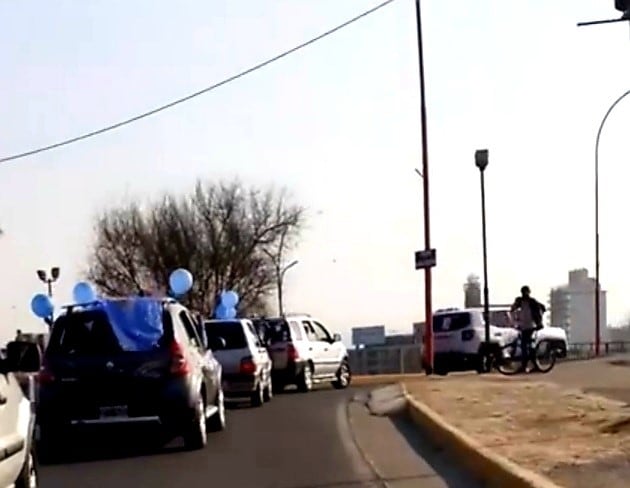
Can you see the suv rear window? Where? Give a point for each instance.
(231, 332)
(448, 322)
(111, 327)
(277, 330)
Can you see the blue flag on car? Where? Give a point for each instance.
(137, 323)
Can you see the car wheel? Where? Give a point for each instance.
(28, 477)
(344, 376)
(268, 393)
(217, 422)
(440, 367)
(257, 396)
(195, 436)
(305, 381)
(277, 387)
(48, 446)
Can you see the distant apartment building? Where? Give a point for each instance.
(573, 308)
(472, 292)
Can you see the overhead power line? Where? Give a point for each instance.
(198, 93)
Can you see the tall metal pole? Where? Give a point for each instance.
(597, 281)
(428, 336)
(486, 299)
(280, 306)
(280, 276)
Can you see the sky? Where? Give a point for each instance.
(338, 125)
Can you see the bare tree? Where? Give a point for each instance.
(224, 233)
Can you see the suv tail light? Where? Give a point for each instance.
(45, 376)
(292, 353)
(247, 366)
(468, 334)
(179, 365)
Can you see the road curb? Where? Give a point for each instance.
(488, 466)
(383, 379)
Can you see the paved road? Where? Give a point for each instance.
(606, 376)
(296, 441)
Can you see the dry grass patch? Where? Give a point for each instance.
(577, 439)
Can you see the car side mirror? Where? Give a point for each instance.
(337, 337)
(22, 356)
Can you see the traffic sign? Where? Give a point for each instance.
(425, 259)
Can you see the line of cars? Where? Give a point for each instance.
(149, 361)
(266, 355)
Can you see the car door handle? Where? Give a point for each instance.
(3, 399)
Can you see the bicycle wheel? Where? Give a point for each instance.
(510, 360)
(544, 356)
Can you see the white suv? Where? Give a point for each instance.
(18, 462)
(458, 335)
(304, 352)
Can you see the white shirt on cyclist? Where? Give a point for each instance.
(525, 320)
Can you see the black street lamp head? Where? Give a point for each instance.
(41, 274)
(481, 159)
(54, 272)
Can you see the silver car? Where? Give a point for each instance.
(304, 352)
(18, 462)
(244, 358)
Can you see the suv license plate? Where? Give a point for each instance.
(118, 411)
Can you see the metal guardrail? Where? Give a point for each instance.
(407, 358)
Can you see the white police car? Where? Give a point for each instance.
(458, 335)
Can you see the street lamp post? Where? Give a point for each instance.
(597, 279)
(481, 161)
(428, 295)
(48, 280)
(280, 272)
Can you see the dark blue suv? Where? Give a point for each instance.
(124, 362)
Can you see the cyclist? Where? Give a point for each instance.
(529, 319)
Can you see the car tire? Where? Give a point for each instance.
(257, 398)
(305, 380)
(277, 387)
(343, 376)
(268, 391)
(48, 446)
(218, 422)
(29, 475)
(195, 436)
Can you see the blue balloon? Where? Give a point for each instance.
(221, 312)
(83, 292)
(42, 306)
(180, 281)
(231, 313)
(229, 298)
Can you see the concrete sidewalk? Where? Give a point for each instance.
(401, 455)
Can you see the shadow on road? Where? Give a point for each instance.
(434, 455)
(99, 446)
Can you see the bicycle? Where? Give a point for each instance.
(509, 359)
